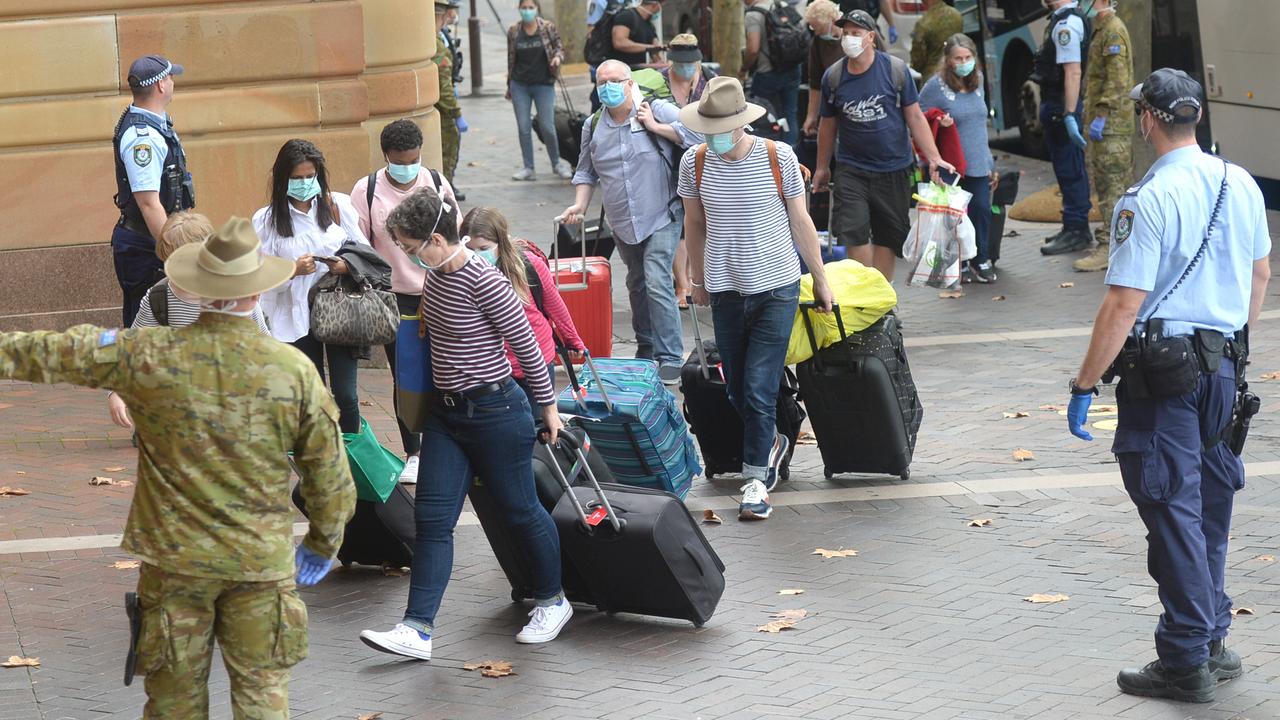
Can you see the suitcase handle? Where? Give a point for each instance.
(568, 441)
(599, 384)
(804, 309)
(581, 227)
(697, 339)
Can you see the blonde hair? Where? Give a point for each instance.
(684, 40)
(821, 12)
(182, 228)
(491, 225)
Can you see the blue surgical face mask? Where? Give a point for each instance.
(721, 143)
(964, 68)
(489, 255)
(612, 94)
(528, 14)
(684, 70)
(404, 174)
(303, 189)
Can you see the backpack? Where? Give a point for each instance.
(673, 168)
(785, 35)
(600, 42)
(652, 83)
(897, 68)
(158, 298)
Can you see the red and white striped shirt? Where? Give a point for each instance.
(470, 313)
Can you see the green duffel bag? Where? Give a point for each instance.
(375, 469)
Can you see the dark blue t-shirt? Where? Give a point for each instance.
(873, 130)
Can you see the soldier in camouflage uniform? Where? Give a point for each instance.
(217, 406)
(940, 22)
(1108, 79)
(447, 105)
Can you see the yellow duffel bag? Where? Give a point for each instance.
(862, 293)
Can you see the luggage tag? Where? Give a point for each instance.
(597, 516)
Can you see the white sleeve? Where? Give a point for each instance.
(350, 221)
(143, 157)
(1068, 37)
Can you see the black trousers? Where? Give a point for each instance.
(137, 268)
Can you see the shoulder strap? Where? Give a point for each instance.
(435, 178)
(699, 159)
(1204, 245)
(158, 298)
(772, 149)
(535, 286)
(833, 75)
(898, 68)
(368, 196)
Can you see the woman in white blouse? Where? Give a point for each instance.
(307, 224)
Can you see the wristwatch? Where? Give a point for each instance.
(1077, 390)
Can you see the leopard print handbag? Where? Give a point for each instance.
(349, 316)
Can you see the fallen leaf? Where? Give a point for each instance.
(998, 298)
(951, 294)
(980, 522)
(1271, 376)
(473, 164)
(369, 716)
(491, 668)
(828, 554)
(1021, 455)
(366, 403)
(101, 480)
(118, 468)
(393, 571)
(1266, 558)
(1055, 408)
(1043, 598)
(1234, 612)
(1066, 285)
(6, 490)
(15, 661)
(797, 614)
(1018, 414)
(791, 591)
(783, 620)
(126, 564)
(20, 472)
(709, 517)
(1012, 233)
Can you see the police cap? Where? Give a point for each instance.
(151, 69)
(1171, 95)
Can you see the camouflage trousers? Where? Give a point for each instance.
(450, 139)
(260, 626)
(1110, 174)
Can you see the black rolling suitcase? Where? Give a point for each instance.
(568, 123)
(378, 533)
(506, 548)
(714, 421)
(638, 550)
(861, 400)
(1004, 196)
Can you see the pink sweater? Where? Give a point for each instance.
(406, 277)
(541, 328)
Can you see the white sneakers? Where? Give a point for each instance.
(525, 174)
(546, 623)
(400, 640)
(564, 170)
(409, 476)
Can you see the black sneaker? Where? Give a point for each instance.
(777, 459)
(980, 273)
(1155, 680)
(1224, 663)
(1069, 241)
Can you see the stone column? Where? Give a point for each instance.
(727, 35)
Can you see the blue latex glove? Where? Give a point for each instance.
(1078, 415)
(893, 35)
(1073, 131)
(311, 567)
(461, 123)
(1096, 127)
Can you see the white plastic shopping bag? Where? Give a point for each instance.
(941, 237)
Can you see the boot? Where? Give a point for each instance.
(1094, 261)
(1155, 680)
(1224, 663)
(1070, 240)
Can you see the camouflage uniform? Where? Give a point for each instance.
(448, 107)
(217, 407)
(1109, 77)
(931, 32)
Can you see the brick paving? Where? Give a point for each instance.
(927, 621)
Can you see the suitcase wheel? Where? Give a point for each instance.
(905, 474)
(710, 475)
(826, 473)
(516, 596)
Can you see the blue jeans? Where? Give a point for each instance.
(491, 437)
(528, 391)
(781, 89)
(342, 377)
(524, 97)
(655, 317)
(980, 213)
(752, 333)
(1068, 167)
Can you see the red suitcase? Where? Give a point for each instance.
(586, 284)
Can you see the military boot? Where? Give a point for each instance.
(1094, 261)
(1155, 680)
(1224, 663)
(1070, 240)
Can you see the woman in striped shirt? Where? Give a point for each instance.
(480, 425)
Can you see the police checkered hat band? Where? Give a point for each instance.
(151, 69)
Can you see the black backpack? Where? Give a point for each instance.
(158, 297)
(785, 35)
(600, 42)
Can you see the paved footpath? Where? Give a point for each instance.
(927, 621)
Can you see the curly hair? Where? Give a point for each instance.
(420, 215)
(399, 135)
(821, 12)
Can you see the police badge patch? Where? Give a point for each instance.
(142, 155)
(1124, 226)
(1064, 37)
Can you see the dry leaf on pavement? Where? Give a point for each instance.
(1018, 414)
(15, 661)
(366, 403)
(1047, 598)
(1271, 376)
(491, 668)
(1234, 611)
(828, 554)
(369, 716)
(126, 564)
(117, 468)
(6, 490)
(392, 571)
(791, 591)
(951, 294)
(1021, 455)
(1055, 408)
(980, 522)
(709, 517)
(20, 472)
(1266, 558)
(101, 480)
(1067, 285)
(783, 620)
(998, 298)
(806, 438)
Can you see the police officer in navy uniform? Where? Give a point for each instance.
(1059, 68)
(1189, 267)
(152, 181)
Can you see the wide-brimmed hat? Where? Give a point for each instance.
(723, 108)
(229, 265)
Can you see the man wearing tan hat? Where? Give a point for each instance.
(218, 407)
(745, 218)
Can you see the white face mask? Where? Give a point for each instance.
(222, 308)
(852, 46)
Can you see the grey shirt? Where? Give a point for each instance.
(634, 169)
(969, 110)
(757, 23)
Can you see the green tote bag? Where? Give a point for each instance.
(375, 469)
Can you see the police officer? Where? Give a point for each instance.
(152, 181)
(1108, 78)
(451, 122)
(940, 22)
(1059, 72)
(1189, 267)
(217, 406)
